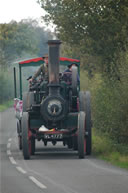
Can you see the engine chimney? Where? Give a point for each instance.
(53, 66)
(54, 60)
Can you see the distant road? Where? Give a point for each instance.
(54, 169)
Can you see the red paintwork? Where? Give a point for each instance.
(69, 59)
(32, 60)
(54, 132)
(41, 59)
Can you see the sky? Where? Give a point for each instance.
(19, 9)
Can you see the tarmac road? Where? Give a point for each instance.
(54, 169)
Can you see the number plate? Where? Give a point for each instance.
(53, 136)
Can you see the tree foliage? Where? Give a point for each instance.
(18, 40)
(97, 27)
(15, 39)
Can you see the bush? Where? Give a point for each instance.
(6, 85)
(109, 100)
(111, 110)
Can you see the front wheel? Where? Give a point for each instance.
(26, 141)
(81, 135)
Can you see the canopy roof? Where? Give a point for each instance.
(39, 61)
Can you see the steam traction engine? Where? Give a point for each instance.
(58, 106)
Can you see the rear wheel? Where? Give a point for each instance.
(30, 99)
(82, 101)
(88, 123)
(26, 141)
(81, 135)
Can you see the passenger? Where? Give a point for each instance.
(67, 74)
(43, 70)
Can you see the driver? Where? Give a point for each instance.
(43, 69)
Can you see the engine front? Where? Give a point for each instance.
(53, 108)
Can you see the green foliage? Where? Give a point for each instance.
(6, 85)
(111, 110)
(25, 39)
(109, 104)
(17, 39)
(107, 149)
(6, 105)
(97, 28)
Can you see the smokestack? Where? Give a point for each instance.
(53, 61)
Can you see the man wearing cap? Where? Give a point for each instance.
(67, 75)
(43, 69)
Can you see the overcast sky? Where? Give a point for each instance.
(19, 9)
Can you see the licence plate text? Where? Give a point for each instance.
(53, 136)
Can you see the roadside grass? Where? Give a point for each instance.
(6, 105)
(106, 149)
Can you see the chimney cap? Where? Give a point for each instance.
(54, 42)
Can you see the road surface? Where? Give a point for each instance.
(54, 169)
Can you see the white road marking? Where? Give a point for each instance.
(39, 184)
(10, 139)
(9, 152)
(21, 170)
(8, 145)
(12, 160)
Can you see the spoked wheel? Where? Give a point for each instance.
(81, 135)
(19, 135)
(33, 144)
(88, 124)
(26, 140)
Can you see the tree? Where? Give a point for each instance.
(17, 40)
(97, 27)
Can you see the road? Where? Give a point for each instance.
(54, 169)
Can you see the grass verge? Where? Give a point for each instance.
(105, 148)
(6, 105)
